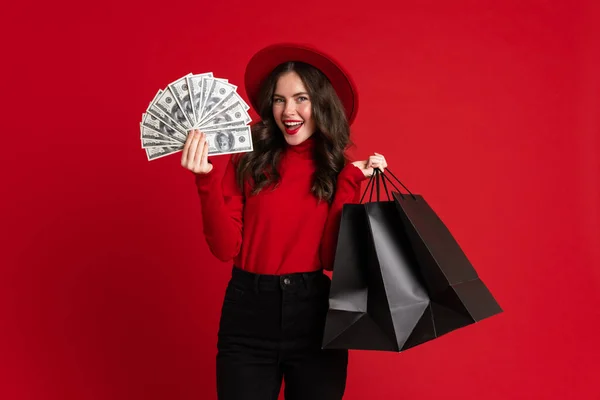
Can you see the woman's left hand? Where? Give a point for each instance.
(375, 161)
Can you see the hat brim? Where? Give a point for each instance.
(264, 61)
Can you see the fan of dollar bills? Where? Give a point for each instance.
(196, 102)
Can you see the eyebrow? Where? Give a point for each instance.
(294, 95)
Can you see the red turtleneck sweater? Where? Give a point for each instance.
(279, 231)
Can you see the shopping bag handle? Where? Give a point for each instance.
(383, 175)
(378, 176)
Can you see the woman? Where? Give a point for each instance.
(276, 214)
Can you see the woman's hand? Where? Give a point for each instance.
(195, 153)
(367, 166)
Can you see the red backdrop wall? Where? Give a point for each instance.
(488, 109)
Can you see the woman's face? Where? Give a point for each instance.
(292, 109)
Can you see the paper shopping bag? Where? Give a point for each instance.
(388, 291)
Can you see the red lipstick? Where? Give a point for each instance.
(292, 130)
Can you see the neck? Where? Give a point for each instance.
(304, 149)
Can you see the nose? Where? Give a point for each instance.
(289, 109)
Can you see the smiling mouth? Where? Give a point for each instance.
(292, 127)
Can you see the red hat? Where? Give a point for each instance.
(263, 62)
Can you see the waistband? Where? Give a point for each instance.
(266, 282)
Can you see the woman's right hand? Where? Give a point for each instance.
(195, 153)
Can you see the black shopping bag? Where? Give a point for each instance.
(400, 279)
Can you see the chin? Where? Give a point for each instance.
(296, 139)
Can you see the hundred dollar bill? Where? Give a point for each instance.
(195, 88)
(231, 125)
(147, 133)
(161, 115)
(227, 102)
(152, 122)
(180, 91)
(241, 101)
(217, 93)
(157, 143)
(228, 141)
(225, 141)
(207, 84)
(234, 113)
(157, 152)
(166, 103)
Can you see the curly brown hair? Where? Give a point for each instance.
(332, 134)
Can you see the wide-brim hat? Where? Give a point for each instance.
(265, 61)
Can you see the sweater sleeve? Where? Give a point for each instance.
(347, 191)
(222, 209)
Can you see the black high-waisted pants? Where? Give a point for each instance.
(271, 328)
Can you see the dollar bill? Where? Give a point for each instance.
(228, 141)
(195, 87)
(217, 93)
(161, 115)
(180, 91)
(166, 103)
(236, 98)
(152, 122)
(157, 152)
(234, 113)
(225, 141)
(231, 125)
(147, 133)
(146, 143)
(227, 102)
(207, 85)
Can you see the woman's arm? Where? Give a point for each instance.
(347, 191)
(222, 205)
(222, 202)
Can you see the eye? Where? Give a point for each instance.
(302, 98)
(277, 100)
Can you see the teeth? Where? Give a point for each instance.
(290, 124)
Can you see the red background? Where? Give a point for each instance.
(488, 109)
